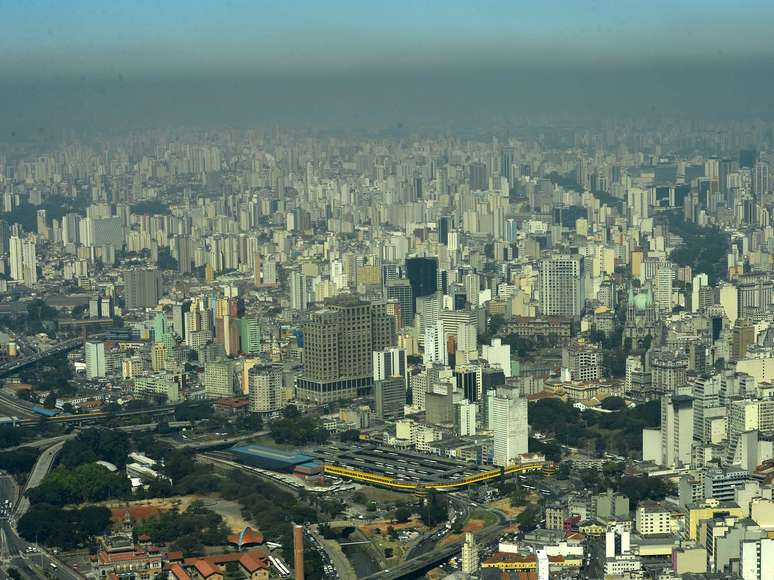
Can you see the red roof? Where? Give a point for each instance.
(247, 537)
(178, 572)
(206, 569)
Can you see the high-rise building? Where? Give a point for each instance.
(465, 414)
(390, 397)
(401, 291)
(669, 371)
(339, 341)
(422, 273)
(219, 379)
(299, 291)
(24, 261)
(743, 335)
(760, 184)
(663, 287)
(510, 426)
(444, 223)
(143, 288)
(676, 430)
(95, 359)
(478, 176)
(390, 362)
(498, 354)
(561, 288)
(583, 359)
(183, 254)
(756, 558)
(469, 555)
(264, 388)
(249, 335)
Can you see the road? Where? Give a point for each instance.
(15, 552)
(39, 471)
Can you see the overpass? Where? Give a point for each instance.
(12, 366)
(420, 488)
(96, 416)
(417, 567)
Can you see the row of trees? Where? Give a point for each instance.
(53, 526)
(89, 482)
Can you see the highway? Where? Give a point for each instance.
(10, 367)
(15, 552)
(39, 471)
(416, 567)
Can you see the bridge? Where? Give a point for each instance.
(420, 488)
(96, 416)
(12, 366)
(416, 567)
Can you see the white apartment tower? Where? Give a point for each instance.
(561, 286)
(510, 426)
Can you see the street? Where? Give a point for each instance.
(16, 553)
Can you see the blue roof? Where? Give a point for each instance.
(270, 454)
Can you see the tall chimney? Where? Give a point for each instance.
(298, 550)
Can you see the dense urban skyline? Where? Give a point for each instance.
(356, 290)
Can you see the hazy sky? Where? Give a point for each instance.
(81, 62)
(44, 38)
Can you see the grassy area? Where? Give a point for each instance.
(384, 496)
(486, 517)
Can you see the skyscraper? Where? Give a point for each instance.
(422, 273)
(390, 362)
(24, 261)
(95, 359)
(469, 555)
(743, 335)
(676, 430)
(509, 423)
(183, 254)
(339, 341)
(390, 397)
(443, 229)
(219, 379)
(265, 388)
(401, 291)
(249, 335)
(561, 288)
(143, 288)
(299, 293)
(760, 178)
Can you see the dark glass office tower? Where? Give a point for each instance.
(422, 273)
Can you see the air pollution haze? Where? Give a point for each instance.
(369, 65)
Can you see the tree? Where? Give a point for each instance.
(53, 526)
(349, 435)
(19, 460)
(434, 510)
(528, 519)
(402, 514)
(9, 436)
(564, 470)
(613, 404)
